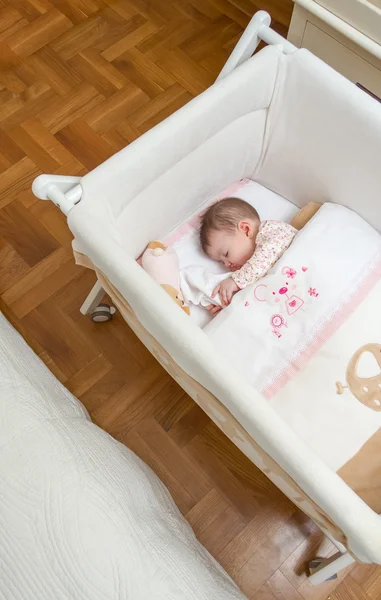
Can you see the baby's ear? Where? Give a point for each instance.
(245, 227)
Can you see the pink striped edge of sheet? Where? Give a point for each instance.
(193, 224)
(325, 333)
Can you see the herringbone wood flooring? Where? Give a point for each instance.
(79, 80)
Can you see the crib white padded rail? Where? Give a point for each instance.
(66, 191)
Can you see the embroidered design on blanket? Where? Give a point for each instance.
(366, 389)
(289, 292)
(277, 321)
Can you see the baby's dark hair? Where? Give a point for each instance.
(224, 216)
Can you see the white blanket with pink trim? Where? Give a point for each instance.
(312, 328)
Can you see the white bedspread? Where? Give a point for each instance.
(81, 517)
(273, 329)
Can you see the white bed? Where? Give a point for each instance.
(81, 516)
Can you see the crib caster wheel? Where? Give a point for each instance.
(101, 313)
(315, 564)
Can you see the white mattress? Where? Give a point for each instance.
(269, 205)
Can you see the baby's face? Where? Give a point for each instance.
(233, 248)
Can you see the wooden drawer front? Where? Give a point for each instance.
(364, 15)
(342, 59)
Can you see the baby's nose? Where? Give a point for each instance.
(227, 264)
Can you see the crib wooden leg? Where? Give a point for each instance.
(93, 299)
(329, 567)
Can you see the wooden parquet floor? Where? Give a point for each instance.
(79, 80)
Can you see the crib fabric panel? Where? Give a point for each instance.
(183, 189)
(323, 140)
(363, 474)
(124, 176)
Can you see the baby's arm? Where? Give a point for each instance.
(251, 271)
(276, 240)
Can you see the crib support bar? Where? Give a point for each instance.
(65, 191)
(330, 567)
(93, 299)
(271, 37)
(258, 29)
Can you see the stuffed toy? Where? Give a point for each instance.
(162, 264)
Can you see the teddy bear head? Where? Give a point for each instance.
(176, 296)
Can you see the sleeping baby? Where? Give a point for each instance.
(232, 233)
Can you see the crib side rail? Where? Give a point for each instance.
(66, 191)
(257, 30)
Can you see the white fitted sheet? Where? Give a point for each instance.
(185, 240)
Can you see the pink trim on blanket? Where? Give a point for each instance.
(326, 332)
(194, 222)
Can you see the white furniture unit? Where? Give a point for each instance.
(346, 34)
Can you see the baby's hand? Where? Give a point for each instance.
(227, 288)
(214, 309)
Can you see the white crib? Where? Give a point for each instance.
(282, 118)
